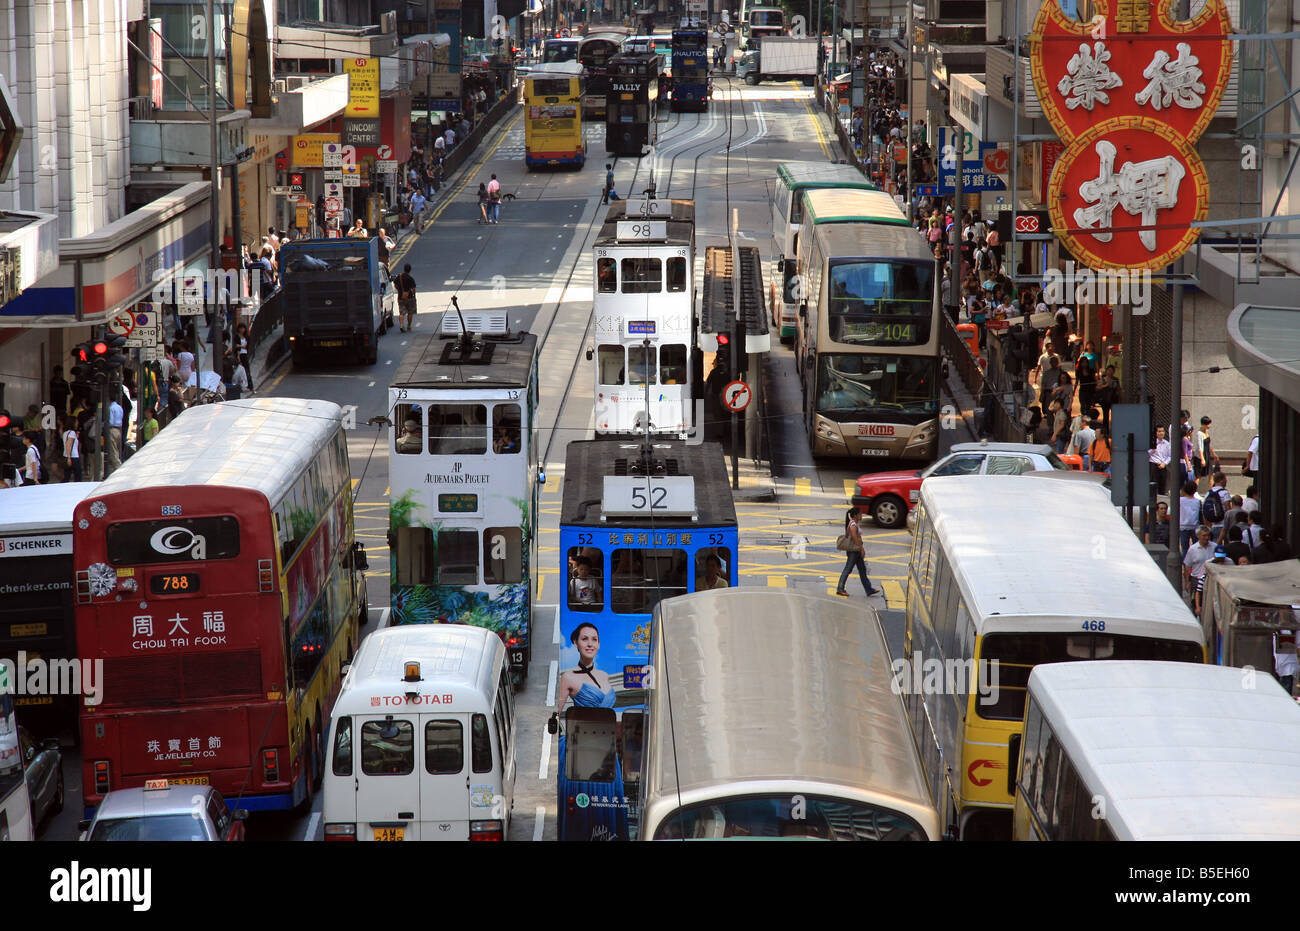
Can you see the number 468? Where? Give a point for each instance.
(1094, 625)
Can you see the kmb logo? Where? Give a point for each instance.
(876, 429)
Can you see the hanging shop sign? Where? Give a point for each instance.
(1129, 93)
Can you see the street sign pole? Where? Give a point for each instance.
(954, 267)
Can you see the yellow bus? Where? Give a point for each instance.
(553, 115)
(1006, 574)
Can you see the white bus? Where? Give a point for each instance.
(15, 803)
(422, 739)
(1005, 574)
(463, 471)
(792, 179)
(771, 714)
(1157, 751)
(643, 314)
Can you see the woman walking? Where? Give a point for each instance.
(482, 202)
(853, 551)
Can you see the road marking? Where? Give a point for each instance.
(803, 486)
(778, 581)
(310, 833)
(851, 486)
(555, 637)
(384, 617)
(894, 593)
(817, 126)
(539, 822)
(389, 362)
(552, 678)
(355, 483)
(545, 765)
(371, 385)
(541, 581)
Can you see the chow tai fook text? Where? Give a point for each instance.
(148, 633)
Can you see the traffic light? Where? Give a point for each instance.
(4, 421)
(82, 353)
(108, 353)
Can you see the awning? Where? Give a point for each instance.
(1264, 344)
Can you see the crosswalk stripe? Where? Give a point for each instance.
(803, 486)
(777, 581)
(894, 593)
(850, 488)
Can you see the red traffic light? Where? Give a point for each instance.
(100, 348)
(723, 339)
(4, 421)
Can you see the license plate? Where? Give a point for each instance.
(390, 834)
(188, 780)
(331, 342)
(875, 452)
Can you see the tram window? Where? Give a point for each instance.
(444, 748)
(410, 428)
(712, 568)
(506, 429)
(586, 593)
(642, 276)
(641, 577)
(672, 364)
(610, 362)
(457, 557)
(606, 276)
(457, 429)
(387, 748)
(677, 273)
(503, 555)
(641, 365)
(413, 555)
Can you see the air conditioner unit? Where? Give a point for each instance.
(295, 81)
(388, 23)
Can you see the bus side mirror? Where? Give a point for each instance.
(360, 561)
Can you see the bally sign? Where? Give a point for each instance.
(1129, 94)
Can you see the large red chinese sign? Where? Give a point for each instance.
(1129, 93)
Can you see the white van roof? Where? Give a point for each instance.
(455, 660)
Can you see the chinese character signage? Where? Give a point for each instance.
(363, 87)
(1129, 93)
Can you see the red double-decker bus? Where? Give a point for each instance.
(218, 579)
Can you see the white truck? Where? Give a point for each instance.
(779, 58)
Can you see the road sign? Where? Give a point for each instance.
(352, 176)
(332, 155)
(122, 323)
(334, 188)
(333, 205)
(385, 153)
(736, 396)
(386, 166)
(144, 336)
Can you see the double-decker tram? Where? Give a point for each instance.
(644, 319)
(638, 524)
(596, 54)
(631, 102)
(36, 612)
(218, 578)
(463, 476)
(867, 344)
(553, 115)
(975, 631)
(691, 82)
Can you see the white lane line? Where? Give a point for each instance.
(551, 679)
(539, 822)
(372, 384)
(389, 362)
(555, 637)
(310, 833)
(546, 755)
(762, 131)
(384, 617)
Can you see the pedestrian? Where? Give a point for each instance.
(184, 362)
(32, 459)
(482, 202)
(175, 400)
(1234, 516)
(113, 440)
(1253, 534)
(406, 300)
(1108, 394)
(494, 199)
(1049, 377)
(1059, 435)
(851, 543)
(1158, 526)
(71, 449)
(386, 245)
(994, 245)
(1194, 561)
(1249, 468)
(1285, 663)
(149, 429)
(1205, 459)
(609, 184)
(1251, 501)
(1215, 505)
(233, 376)
(242, 352)
(1158, 457)
(1185, 461)
(358, 230)
(449, 138)
(1189, 515)
(1081, 443)
(1085, 374)
(1101, 448)
(1237, 549)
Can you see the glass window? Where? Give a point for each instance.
(712, 567)
(606, 276)
(218, 814)
(959, 465)
(387, 748)
(672, 364)
(480, 744)
(308, 647)
(642, 276)
(642, 577)
(503, 555)
(408, 429)
(176, 539)
(592, 751)
(677, 274)
(881, 303)
(609, 361)
(586, 591)
(774, 816)
(641, 365)
(1009, 465)
(1026, 774)
(867, 386)
(1050, 796)
(457, 429)
(796, 208)
(343, 747)
(457, 557)
(444, 748)
(413, 555)
(506, 429)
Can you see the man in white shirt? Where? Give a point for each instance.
(439, 145)
(1198, 555)
(1251, 467)
(1285, 662)
(1250, 502)
(113, 440)
(1082, 443)
(449, 138)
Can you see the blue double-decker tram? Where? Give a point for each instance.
(638, 523)
(691, 68)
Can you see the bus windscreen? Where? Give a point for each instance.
(769, 816)
(871, 387)
(881, 303)
(551, 87)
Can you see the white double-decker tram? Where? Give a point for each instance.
(643, 314)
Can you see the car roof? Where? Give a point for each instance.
(1042, 449)
(146, 803)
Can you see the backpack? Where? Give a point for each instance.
(1212, 509)
(983, 259)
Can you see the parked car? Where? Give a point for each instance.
(889, 496)
(166, 811)
(43, 769)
